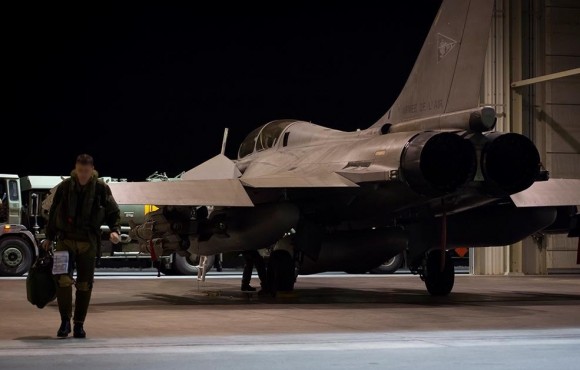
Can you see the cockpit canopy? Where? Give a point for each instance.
(264, 137)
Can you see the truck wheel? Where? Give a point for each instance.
(15, 256)
(390, 266)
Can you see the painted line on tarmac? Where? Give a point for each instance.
(292, 343)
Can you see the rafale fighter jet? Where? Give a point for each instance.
(429, 176)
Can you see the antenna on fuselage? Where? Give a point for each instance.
(225, 139)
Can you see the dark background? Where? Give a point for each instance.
(145, 88)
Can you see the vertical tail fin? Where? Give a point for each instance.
(447, 74)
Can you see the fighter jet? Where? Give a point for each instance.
(429, 176)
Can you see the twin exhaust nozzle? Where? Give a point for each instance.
(438, 163)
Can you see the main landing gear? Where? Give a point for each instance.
(438, 273)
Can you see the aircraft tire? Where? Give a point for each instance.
(439, 283)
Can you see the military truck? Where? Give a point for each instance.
(18, 245)
(22, 223)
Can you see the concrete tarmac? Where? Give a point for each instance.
(341, 321)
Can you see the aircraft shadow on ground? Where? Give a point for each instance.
(346, 298)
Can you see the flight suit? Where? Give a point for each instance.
(75, 218)
(82, 256)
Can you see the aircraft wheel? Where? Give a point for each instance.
(439, 283)
(281, 271)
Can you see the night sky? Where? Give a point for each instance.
(146, 88)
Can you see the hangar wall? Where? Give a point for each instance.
(531, 38)
(558, 111)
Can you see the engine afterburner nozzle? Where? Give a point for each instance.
(436, 163)
(510, 162)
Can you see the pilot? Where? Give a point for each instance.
(253, 258)
(81, 204)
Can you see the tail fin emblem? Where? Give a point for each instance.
(444, 46)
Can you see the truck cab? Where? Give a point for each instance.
(11, 204)
(18, 245)
(34, 190)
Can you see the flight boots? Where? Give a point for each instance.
(64, 329)
(78, 330)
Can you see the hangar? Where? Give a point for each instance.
(532, 76)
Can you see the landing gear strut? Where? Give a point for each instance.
(439, 281)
